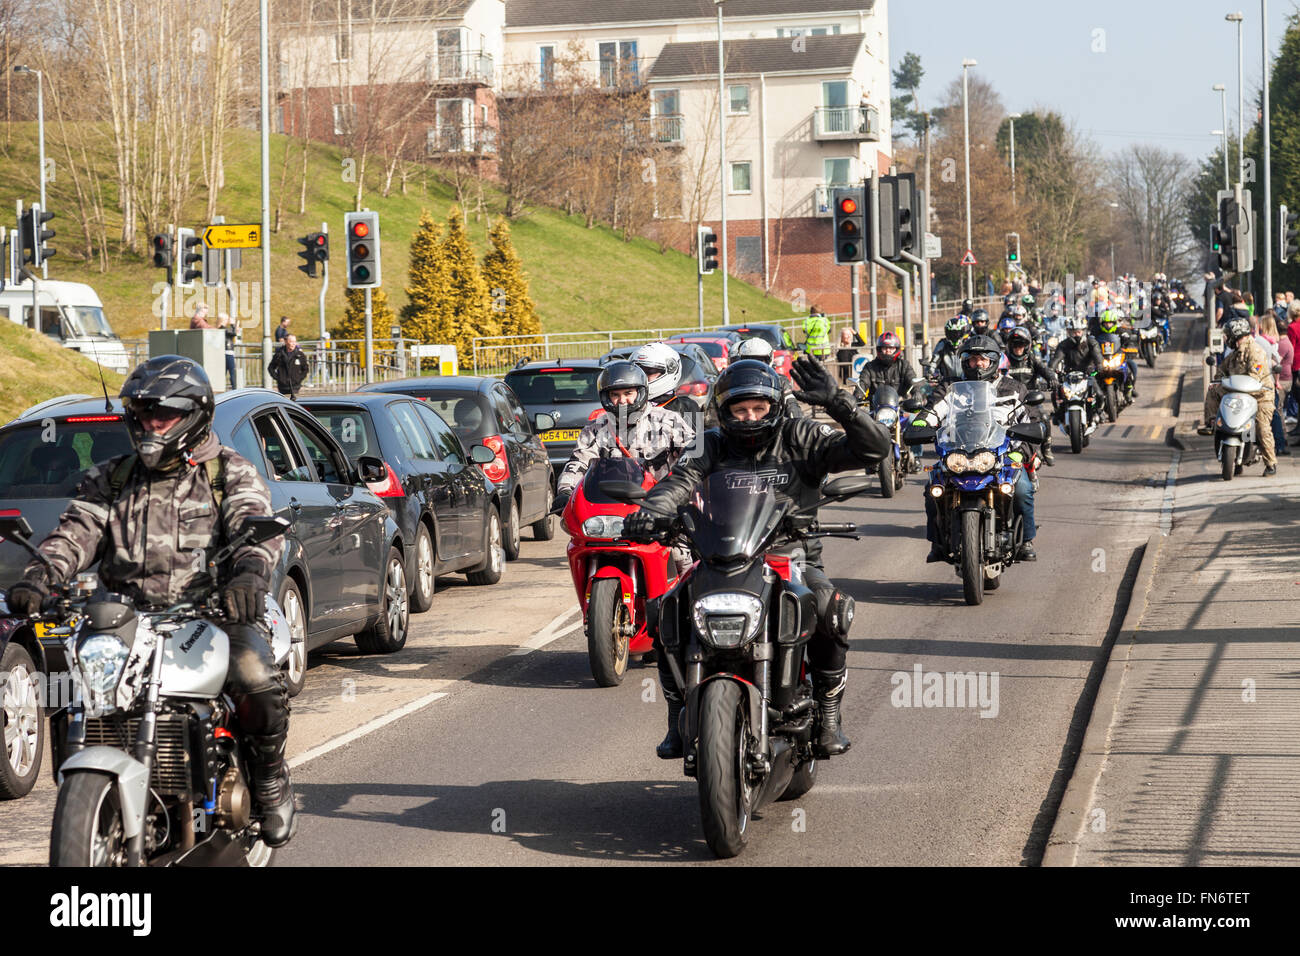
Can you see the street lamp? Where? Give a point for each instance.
(965, 109)
(1241, 101)
(1223, 102)
(722, 160)
(40, 129)
(1111, 219)
(1012, 117)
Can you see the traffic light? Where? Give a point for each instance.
(321, 244)
(897, 219)
(1286, 234)
(1013, 249)
(1235, 232)
(706, 250)
(906, 212)
(189, 251)
(362, 229)
(308, 255)
(34, 235)
(162, 250)
(850, 225)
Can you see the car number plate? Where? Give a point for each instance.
(561, 434)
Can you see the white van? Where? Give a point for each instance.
(71, 314)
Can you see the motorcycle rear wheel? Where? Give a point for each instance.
(885, 471)
(972, 557)
(607, 633)
(88, 826)
(725, 793)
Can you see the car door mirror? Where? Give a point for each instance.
(482, 454)
(371, 469)
(543, 422)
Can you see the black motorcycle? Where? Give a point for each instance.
(735, 630)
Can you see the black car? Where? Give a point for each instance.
(448, 512)
(698, 374)
(485, 411)
(564, 390)
(343, 566)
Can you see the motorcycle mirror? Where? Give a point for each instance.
(913, 405)
(1035, 398)
(543, 422)
(1209, 360)
(261, 528)
(482, 455)
(919, 436)
(372, 469)
(848, 486)
(624, 491)
(14, 527)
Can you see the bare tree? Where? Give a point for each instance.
(1150, 184)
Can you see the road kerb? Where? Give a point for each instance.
(1063, 844)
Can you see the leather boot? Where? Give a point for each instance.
(828, 686)
(271, 789)
(671, 748)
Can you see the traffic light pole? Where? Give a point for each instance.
(370, 342)
(873, 217)
(699, 278)
(924, 278)
(853, 289)
(324, 227)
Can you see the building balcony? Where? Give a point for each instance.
(455, 68)
(476, 139)
(824, 196)
(668, 129)
(851, 123)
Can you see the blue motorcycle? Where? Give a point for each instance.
(972, 487)
(886, 408)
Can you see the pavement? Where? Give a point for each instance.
(1191, 755)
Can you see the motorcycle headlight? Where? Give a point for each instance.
(728, 620)
(1113, 362)
(984, 461)
(1053, 342)
(957, 463)
(603, 526)
(101, 658)
(887, 416)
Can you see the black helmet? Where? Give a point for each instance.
(967, 306)
(1019, 336)
(979, 316)
(980, 345)
(623, 375)
(749, 378)
(175, 384)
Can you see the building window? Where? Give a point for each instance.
(455, 132)
(835, 94)
(740, 178)
(342, 47)
(749, 255)
(345, 115)
(838, 172)
(820, 31)
(450, 50)
(618, 63)
(738, 100)
(546, 58)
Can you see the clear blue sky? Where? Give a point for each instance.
(1152, 83)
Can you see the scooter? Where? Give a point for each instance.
(1235, 441)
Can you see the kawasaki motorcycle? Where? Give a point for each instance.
(149, 755)
(735, 630)
(1078, 411)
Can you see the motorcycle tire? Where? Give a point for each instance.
(885, 471)
(607, 633)
(972, 558)
(88, 826)
(1229, 464)
(1112, 403)
(1150, 351)
(1076, 434)
(725, 793)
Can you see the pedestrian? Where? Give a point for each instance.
(289, 367)
(846, 353)
(1279, 309)
(200, 318)
(282, 330)
(1223, 301)
(988, 285)
(817, 337)
(232, 335)
(1281, 381)
(1249, 299)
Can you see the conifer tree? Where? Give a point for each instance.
(466, 312)
(428, 286)
(507, 284)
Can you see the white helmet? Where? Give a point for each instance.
(662, 366)
(752, 348)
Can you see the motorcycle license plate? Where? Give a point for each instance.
(561, 434)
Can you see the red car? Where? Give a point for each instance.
(774, 335)
(717, 344)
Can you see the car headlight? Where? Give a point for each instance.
(728, 619)
(887, 416)
(101, 658)
(603, 526)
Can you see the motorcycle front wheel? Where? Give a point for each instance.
(1149, 350)
(87, 829)
(1112, 403)
(1076, 434)
(1229, 463)
(972, 557)
(725, 793)
(885, 471)
(607, 633)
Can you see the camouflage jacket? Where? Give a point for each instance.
(659, 436)
(149, 541)
(1248, 360)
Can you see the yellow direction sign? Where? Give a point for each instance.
(248, 236)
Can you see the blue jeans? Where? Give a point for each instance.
(1279, 426)
(1023, 502)
(230, 368)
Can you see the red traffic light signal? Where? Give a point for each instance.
(848, 206)
(360, 230)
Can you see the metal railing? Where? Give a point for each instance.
(474, 138)
(453, 66)
(668, 128)
(846, 123)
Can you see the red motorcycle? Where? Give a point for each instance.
(614, 577)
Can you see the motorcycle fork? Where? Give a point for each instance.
(146, 747)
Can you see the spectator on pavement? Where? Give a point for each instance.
(850, 342)
(282, 330)
(200, 318)
(1281, 381)
(289, 367)
(232, 335)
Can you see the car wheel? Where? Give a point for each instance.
(20, 718)
(511, 531)
(544, 529)
(388, 634)
(494, 563)
(295, 615)
(422, 588)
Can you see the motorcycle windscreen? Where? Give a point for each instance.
(609, 469)
(884, 396)
(734, 513)
(971, 424)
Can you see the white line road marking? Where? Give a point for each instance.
(366, 728)
(551, 632)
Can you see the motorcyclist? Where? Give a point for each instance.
(755, 435)
(143, 515)
(1114, 322)
(888, 368)
(980, 358)
(967, 308)
(663, 371)
(1025, 366)
(980, 323)
(1030, 304)
(943, 361)
(632, 425)
(1009, 321)
(1077, 352)
(1245, 357)
(759, 349)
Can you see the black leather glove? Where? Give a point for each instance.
(560, 503)
(26, 597)
(646, 526)
(816, 386)
(245, 597)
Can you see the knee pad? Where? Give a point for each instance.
(835, 615)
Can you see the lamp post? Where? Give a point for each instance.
(965, 109)
(1012, 117)
(40, 132)
(1241, 101)
(1267, 297)
(722, 160)
(1223, 102)
(1111, 219)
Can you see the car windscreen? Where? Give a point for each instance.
(49, 461)
(554, 385)
(351, 428)
(85, 321)
(470, 416)
(771, 336)
(714, 349)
